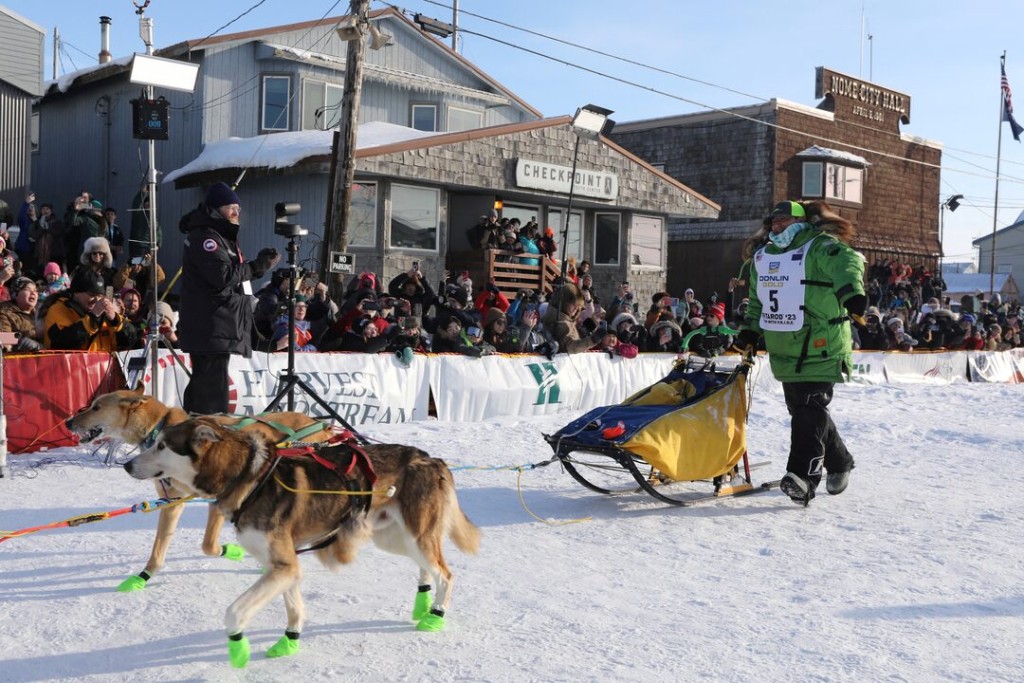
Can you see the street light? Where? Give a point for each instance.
(953, 203)
(591, 122)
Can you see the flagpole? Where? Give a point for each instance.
(999, 155)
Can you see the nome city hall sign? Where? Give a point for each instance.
(860, 101)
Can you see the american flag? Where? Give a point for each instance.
(1004, 84)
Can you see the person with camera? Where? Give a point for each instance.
(490, 298)
(623, 302)
(84, 318)
(8, 270)
(19, 315)
(215, 316)
(414, 288)
(84, 219)
(138, 274)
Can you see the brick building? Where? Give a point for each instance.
(849, 151)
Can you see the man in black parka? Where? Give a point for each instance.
(215, 317)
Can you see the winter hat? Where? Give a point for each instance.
(967, 317)
(97, 244)
(411, 322)
(657, 327)
(96, 204)
(695, 323)
(718, 310)
(51, 267)
(87, 280)
(621, 318)
(19, 283)
(873, 310)
(688, 292)
(459, 294)
(787, 208)
(164, 310)
(493, 213)
(898, 322)
(549, 232)
(130, 290)
(658, 296)
(219, 194)
(493, 313)
(368, 281)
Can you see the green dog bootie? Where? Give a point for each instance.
(133, 583)
(232, 551)
(421, 607)
(238, 650)
(433, 622)
(287, 645)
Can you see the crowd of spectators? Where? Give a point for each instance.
(77, 283)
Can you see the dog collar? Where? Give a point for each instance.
(152, 436)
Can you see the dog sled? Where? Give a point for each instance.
(671, 440)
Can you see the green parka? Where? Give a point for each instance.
(820, 351)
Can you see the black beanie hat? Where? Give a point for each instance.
(219, 194)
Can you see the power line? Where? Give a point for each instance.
(227, 24)
(987, 174)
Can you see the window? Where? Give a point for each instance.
(362, 217)
(321, 105)
(607, 227)
(812, 186)
(276, 93)
(574, 244)
(415, 215)
(424, 117)
(832, 181)
(523, 213)
(33, 131)
(463, 119)
(645, 242)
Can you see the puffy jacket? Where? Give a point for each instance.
(70, 327)
(215, 314)
(821, 350)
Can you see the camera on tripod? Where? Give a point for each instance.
(282, 210)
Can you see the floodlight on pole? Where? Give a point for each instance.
(172, 74)
(591, 122)
(952, 203)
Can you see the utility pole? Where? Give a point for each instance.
(345, 147)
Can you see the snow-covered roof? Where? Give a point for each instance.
(281, 150)
(973, 282)
(65, 81)
(818, 152)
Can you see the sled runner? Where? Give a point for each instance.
(689, 427)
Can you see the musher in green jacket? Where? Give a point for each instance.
(807, 283)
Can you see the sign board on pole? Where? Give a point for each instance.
(343, 263)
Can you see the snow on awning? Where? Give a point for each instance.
(816, 152)
(283, 150)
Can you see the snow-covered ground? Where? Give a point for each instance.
(914, 574)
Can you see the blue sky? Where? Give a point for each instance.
(944, 56)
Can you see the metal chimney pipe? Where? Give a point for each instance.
(105, 55)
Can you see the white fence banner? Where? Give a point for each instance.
(991, 366)
(869, 367)
(926, 368)
(471, 389)
(362, 388)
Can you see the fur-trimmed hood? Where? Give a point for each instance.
(97, 244)
(621, 318)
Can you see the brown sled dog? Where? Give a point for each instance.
(330, 501)
(135, 418)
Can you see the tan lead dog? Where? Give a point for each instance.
(135, 418)
(330, 500)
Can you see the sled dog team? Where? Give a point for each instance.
(326, 493)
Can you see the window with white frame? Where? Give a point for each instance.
(424, 117)
(645, 242)
(833, 181)
(415, 217)
(321, 105)
(362, 217)
(277, 91)
(607, 231)
(574, 244)
(463, 119)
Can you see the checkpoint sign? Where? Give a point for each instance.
(343, 263)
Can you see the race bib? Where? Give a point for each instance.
(780, 288)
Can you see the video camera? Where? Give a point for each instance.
(282, 210)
